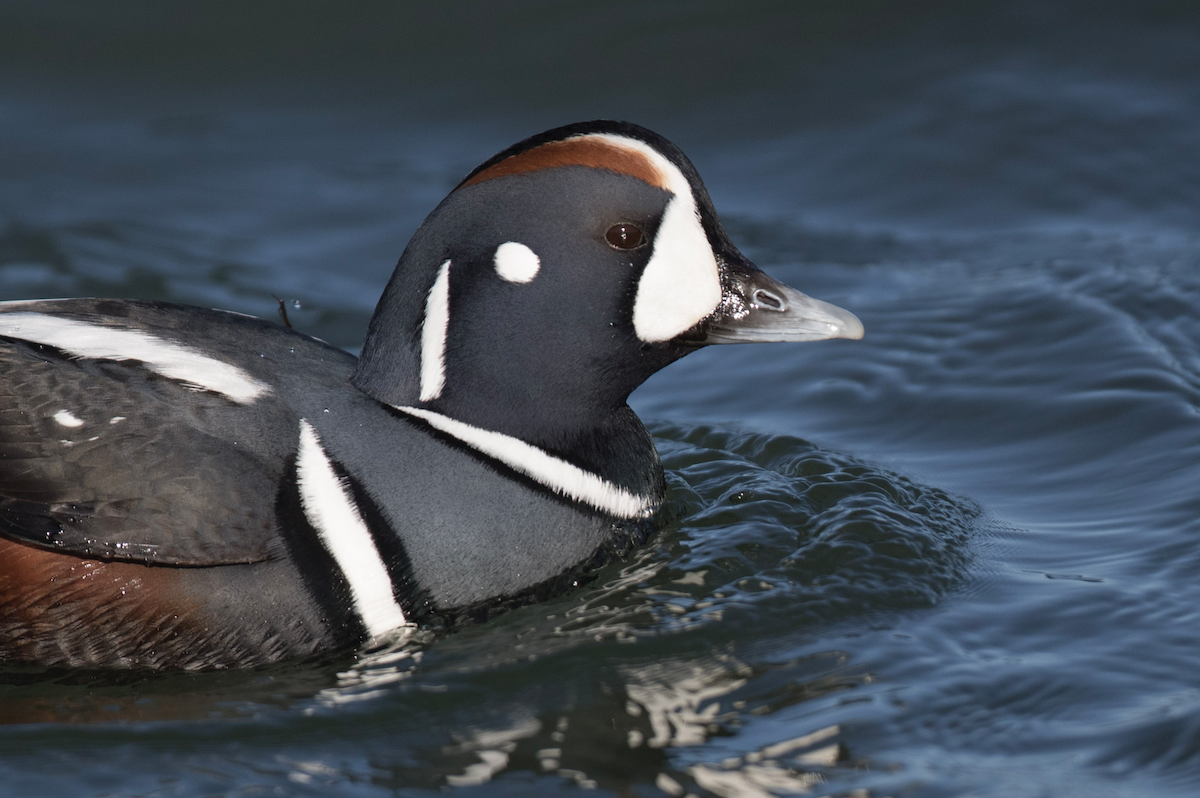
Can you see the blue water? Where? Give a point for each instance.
(958, 557)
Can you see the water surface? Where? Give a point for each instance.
(958, 557)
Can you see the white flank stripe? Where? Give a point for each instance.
(681, 284)
(433, 336)
(558, 475)
(99, 342)
(332, 512)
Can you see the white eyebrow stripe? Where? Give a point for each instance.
(433, 336)
(100, 342)
(332, 512)
(556, 474)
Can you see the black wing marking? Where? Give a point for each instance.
(95, 460)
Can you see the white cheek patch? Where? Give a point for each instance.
(174, 361)
(433, 336)
(556, 474)
(681, 284)
(516, 262)
(331, 511)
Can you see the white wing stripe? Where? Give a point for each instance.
(101, 342)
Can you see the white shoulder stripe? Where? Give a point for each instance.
(433, 336)
(331, 511)
(556, 474)
(101, 342)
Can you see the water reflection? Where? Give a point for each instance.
(639, 733)
(662, 672)
(35, 696)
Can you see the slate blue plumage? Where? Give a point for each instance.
(190, 488)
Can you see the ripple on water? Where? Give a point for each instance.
(795, 534)
(771, 538)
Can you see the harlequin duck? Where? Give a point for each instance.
(191, 488)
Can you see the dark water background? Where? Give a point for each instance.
(959, 557)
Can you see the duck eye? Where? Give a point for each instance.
(624, 236)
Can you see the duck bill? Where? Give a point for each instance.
(757, 308)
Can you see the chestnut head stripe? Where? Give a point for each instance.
(595, 151)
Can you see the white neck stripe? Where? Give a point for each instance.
(100, 342)
(556, 474)
(433, 336)
(331, 511)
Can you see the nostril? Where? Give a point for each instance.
(768, 300)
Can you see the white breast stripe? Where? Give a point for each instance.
(681, 284)
(433, 336)
(100, 342)
(331, 511)
(558, 475)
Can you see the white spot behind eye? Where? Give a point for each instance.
(67, 419)
(433, 336)
(516, 262)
